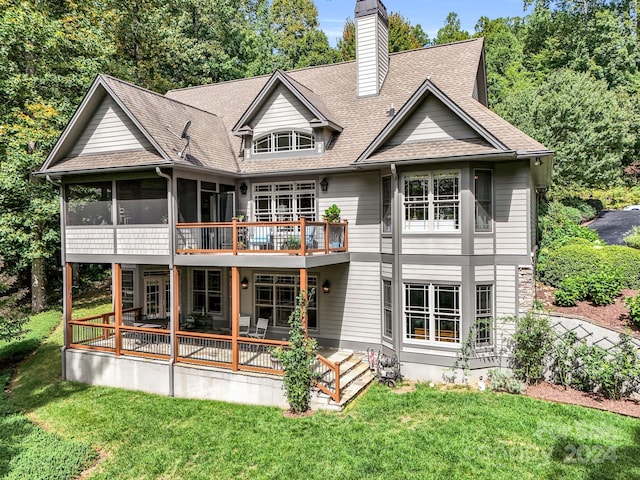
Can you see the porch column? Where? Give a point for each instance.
(176, 311)
(304, 284)
(235, 318)
(68, 303)
(117, 303)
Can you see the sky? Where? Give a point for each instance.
(431, 14)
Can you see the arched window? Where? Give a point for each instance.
(284, 141)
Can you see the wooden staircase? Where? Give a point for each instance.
(354, 377)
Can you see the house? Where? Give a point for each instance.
(208, 203)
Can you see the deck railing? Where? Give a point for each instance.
(301, 237)
(100, 333)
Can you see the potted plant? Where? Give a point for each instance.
(332, 214)
(292, 243)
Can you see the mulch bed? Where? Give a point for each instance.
(615, 317)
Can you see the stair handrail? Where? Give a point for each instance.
(335, 368)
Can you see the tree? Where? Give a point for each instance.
(586, 124)
(297, 38)
(12, 317)
(402, 36)
(451, 32)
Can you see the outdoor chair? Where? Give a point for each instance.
(245, 325)
(261, 328)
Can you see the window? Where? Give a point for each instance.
(432, 312)
(127, 289)
(482, 190)
(207, 291)
(386, 205)
(432, 202)
(284, 202)
(89, 203)
(142, 201)
(275, 299)
(286, 141)
(484, 315)
(387, 322)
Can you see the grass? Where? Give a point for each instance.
(427, 433)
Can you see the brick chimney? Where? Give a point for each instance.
(372, 46)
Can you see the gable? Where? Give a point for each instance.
(282, 110)
(109, 130)
(432, 120)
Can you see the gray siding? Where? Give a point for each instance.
(485, 274)
(432, 121)
(110, 130)
(511, 210)
(387, 245)
(143, 241)
(432, 273)
(505, 290)
(367, 55)
(282, 110)
(89, 241)
(358, 197)
(352, 311)
(430, 244)
(387, 270)
(483, 244)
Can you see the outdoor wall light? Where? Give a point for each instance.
(244, 283)
(538, 162)
(324, 185)
(326, 286)
(243, 188)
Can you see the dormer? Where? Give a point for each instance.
(285, 119)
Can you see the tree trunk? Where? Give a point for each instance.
(38, 297)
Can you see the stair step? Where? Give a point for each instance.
(338, 356)
(353, 375)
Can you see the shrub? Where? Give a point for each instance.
(573, 260)
(633, 304)
(603, 288)
(564, 362)
(298, 359)
(625, 262)
(532, 342)
(632, 238)
(502, 381)
(571, 290)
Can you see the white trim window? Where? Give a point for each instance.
(387, 196)
(484, 316)
(432, 202)
(284, 141)
(284, 202)
(387, 313)
(207, 292)
(275, 299)
(432, 312)
(482, 189)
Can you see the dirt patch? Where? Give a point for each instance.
(615, 316)
(557, 393)
(290, 414)
(102, 456)
(406, 387)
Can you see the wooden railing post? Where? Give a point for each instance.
(176, 311)
(117, 301)
(303, 236)
(235, 235)
(346, 236)
(68, 295)
(235, 318)
(304, 285)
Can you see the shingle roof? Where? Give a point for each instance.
(215, 109)
(106, 161)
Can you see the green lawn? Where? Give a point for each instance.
(454, 434)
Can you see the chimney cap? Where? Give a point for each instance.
(369, 7)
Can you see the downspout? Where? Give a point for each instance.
(172, 286)
(397, 272)
(63, 258)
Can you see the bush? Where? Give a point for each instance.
(632, 238)
(505, 382)
(571, 291)
(603, 288)
(633, 304)
(532, 341)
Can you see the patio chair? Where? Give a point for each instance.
(245, 325)
(261, 328)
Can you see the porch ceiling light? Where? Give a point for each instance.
(243, 188)
(244, 283)
(326, 286)
(324, 184)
